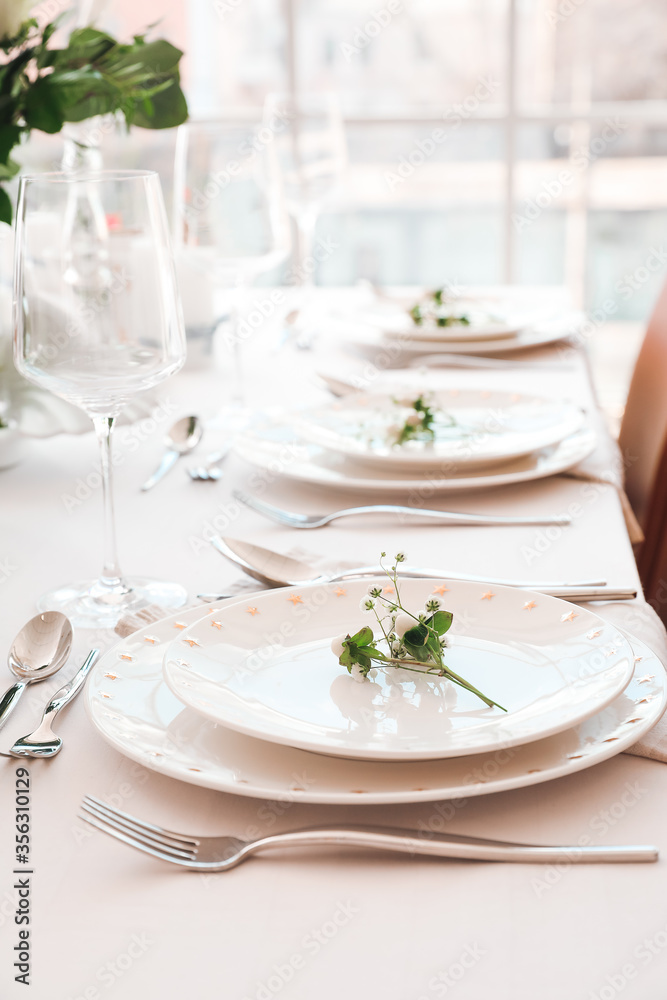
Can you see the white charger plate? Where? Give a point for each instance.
(135, 712)
(274, 445)
(492, 427)
(265, 668)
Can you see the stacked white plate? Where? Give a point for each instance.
(248, 697)
(483, 438)
(497, 324)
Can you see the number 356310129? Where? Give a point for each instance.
(22, 814)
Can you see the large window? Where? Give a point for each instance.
(489, 140)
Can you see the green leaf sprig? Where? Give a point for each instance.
(42, 87)
(419, 422)
(413, 641)
(437, 309)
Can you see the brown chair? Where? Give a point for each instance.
(652, 561)
(644, 426)
(643, 443)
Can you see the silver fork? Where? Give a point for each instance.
(294, 520)
(219, 854)
(478, 361)
(211, 470)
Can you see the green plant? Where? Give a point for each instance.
(42, 87)
(413, 640)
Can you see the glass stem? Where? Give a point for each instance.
(110, 579)
(305, 274)
(238, 311)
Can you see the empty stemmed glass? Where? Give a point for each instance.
(230, 220)
(97, 320)
(311, 149)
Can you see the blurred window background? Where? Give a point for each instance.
(489, 140)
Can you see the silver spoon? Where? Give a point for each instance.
(183, 437)
(276, 570)
(38, 651)
(43, 742)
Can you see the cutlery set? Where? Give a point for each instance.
(39, 650)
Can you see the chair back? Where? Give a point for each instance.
(644, 427)
(652, 560)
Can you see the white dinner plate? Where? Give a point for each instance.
(473, 428)
(134, 711)
(273, 444)
(372, 341)
(265, 668)
(394, 320)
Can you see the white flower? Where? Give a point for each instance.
(375, 592)
(432, 605)
(337, 647)
(373, 673)
(12, 13)
(403, 623)
(357, 673)
(367, 604)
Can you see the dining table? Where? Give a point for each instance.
(108, 921)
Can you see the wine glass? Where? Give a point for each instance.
(311, 149)
(97, 320)
(230, 219)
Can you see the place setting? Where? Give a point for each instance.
(454, 439)
(252, 691)
(451, 321)
(332, 436)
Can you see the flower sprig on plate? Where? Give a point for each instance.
(419, 425)
(413, 641)
(438, 308)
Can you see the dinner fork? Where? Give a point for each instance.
(294, 520)
(477, 361)
(219, 854)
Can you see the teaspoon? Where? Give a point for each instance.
(38, 651)
(183, 437)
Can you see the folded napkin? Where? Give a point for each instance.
(605, 466)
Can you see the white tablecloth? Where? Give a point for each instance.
(108, 922)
